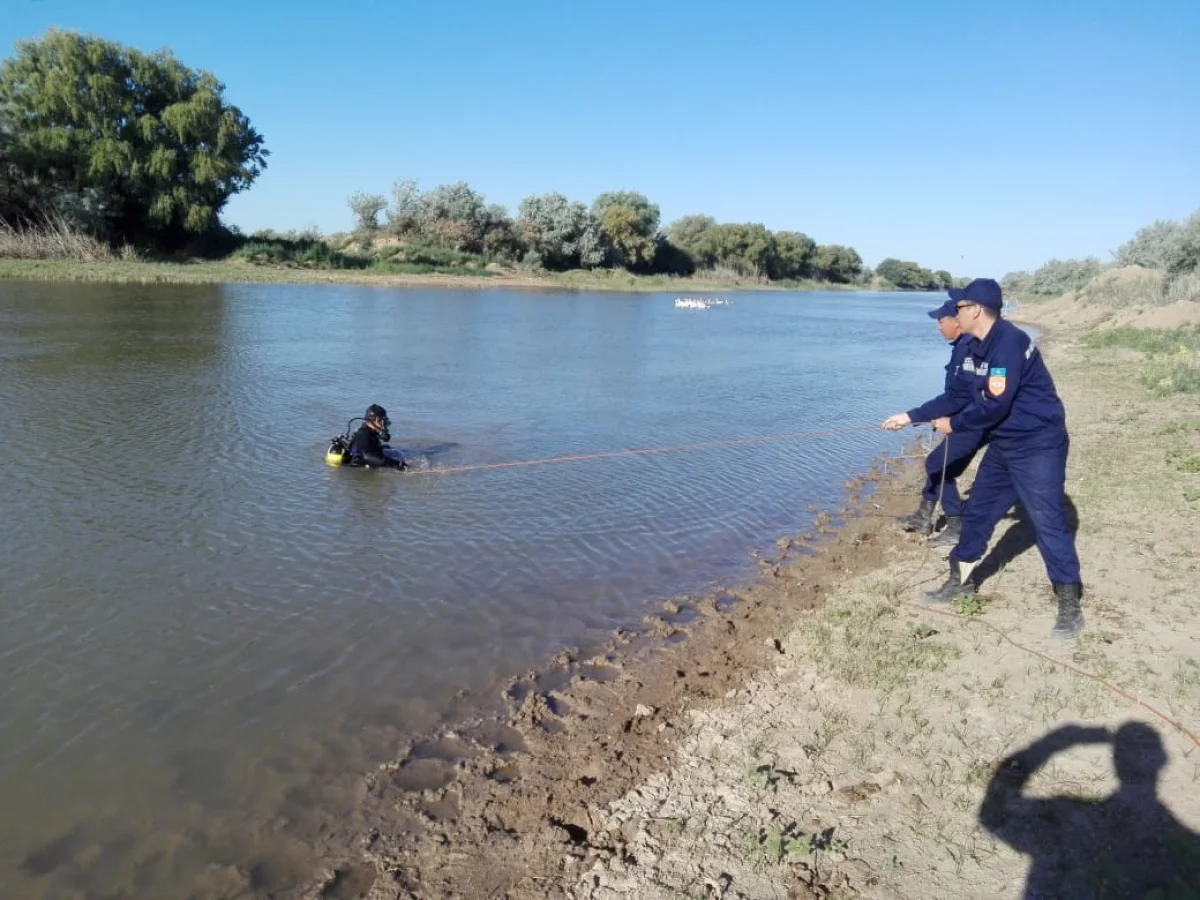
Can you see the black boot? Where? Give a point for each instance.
(948, 536)
(956, 585)
(1070, 616)
(921, 520)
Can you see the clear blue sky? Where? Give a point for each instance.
(977, 136)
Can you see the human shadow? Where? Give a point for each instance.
(1018, 539)
(1125, 845)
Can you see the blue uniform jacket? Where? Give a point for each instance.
(957, 393)
(1012, 395)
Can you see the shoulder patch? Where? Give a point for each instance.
(997, 381)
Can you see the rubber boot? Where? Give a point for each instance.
(948, 536)
(959, 584)
(921, 520)
(1070, 615)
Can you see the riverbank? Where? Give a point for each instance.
(237, 272)
(824, 733)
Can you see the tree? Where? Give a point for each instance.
(628, 225)
(746, 249)
(150, 144)
(501, 238)
(1183, 252)
(1017, 283)
(911, 276)
(405, 210)
(454, 215)
(836, 263)
(1061, 275)
(1150, 247)
(366, 209)
(794, 255)
(688, 232)
(560, 233)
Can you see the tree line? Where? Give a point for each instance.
(621, 229)
(1168, 247)
(137, 148)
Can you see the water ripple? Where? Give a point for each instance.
(192, 598)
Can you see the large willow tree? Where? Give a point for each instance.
(134, 145)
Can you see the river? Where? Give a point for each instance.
(205, 630)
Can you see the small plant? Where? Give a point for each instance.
(779, 844)
(970, 605)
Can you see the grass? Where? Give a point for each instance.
(54, 239)
(1173, 356)
(1147, 340)
(857, 644)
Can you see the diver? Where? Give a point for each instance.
(370, 441)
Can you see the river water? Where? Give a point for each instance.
(205, 632)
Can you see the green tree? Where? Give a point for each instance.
(1182, 254)
(366, 209)
(836, 263)
(453, 215)
(913, 277)
(560, 233)
(793, 257)
(1061, 275)
(1150, 247)
(150, 144)
(746, 249)
(688, 232)
(404, 213)
(628, 225)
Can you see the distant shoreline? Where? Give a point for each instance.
(221, 272)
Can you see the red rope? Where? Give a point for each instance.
(679, 448)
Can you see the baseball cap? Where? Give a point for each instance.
(983, 291)
(949, 308)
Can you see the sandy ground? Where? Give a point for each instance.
(826, 733)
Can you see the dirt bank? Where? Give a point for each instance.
(824, 733)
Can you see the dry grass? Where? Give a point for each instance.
(54, 238)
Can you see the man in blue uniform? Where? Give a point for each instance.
(1012, 399)
(954, 455)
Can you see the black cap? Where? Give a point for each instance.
(375, 411)
(983, 291)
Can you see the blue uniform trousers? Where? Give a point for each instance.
(955, 453)
(1035, 477)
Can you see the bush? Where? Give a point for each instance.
(1061, 275)
(1178, 373)
(304, 253)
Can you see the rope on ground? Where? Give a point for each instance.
(645, 451)
(1115, 688)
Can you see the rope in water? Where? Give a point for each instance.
(799, 435)
(645, 451)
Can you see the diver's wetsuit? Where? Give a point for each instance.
(366, 449)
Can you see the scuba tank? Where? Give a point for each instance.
(338, 453)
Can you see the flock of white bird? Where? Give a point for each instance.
(700, 303)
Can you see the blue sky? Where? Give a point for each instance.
(975, 136)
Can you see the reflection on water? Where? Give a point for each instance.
(207, 635)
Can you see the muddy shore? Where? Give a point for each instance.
(822, 733)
